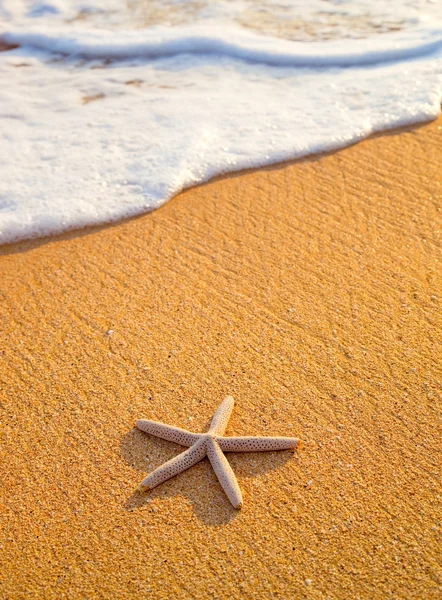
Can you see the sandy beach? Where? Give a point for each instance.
(311, 292)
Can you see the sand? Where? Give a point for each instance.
(312, 293)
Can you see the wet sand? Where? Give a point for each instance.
(310, 292)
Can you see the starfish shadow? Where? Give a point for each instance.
(198, 484)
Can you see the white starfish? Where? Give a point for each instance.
(211, 444)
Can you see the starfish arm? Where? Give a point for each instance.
(224, 473)
(176, 465)
(256, 444)
(222, 416)
(169, 433)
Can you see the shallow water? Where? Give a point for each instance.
(112, 107)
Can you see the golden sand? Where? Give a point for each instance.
(310, 292)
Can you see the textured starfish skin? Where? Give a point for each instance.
(211, 444)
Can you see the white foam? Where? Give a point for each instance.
(85, 141)
(159, 42)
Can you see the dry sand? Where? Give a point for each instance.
(312, 293)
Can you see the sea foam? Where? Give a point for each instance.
(102, 124)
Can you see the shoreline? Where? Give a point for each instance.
(23, 245)
(310, 292)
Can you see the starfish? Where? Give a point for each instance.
(211, 444)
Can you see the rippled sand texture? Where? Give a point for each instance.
(310, 292)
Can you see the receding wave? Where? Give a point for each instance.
(234, 42)
(152, 112)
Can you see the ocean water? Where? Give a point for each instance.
(108, 108)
